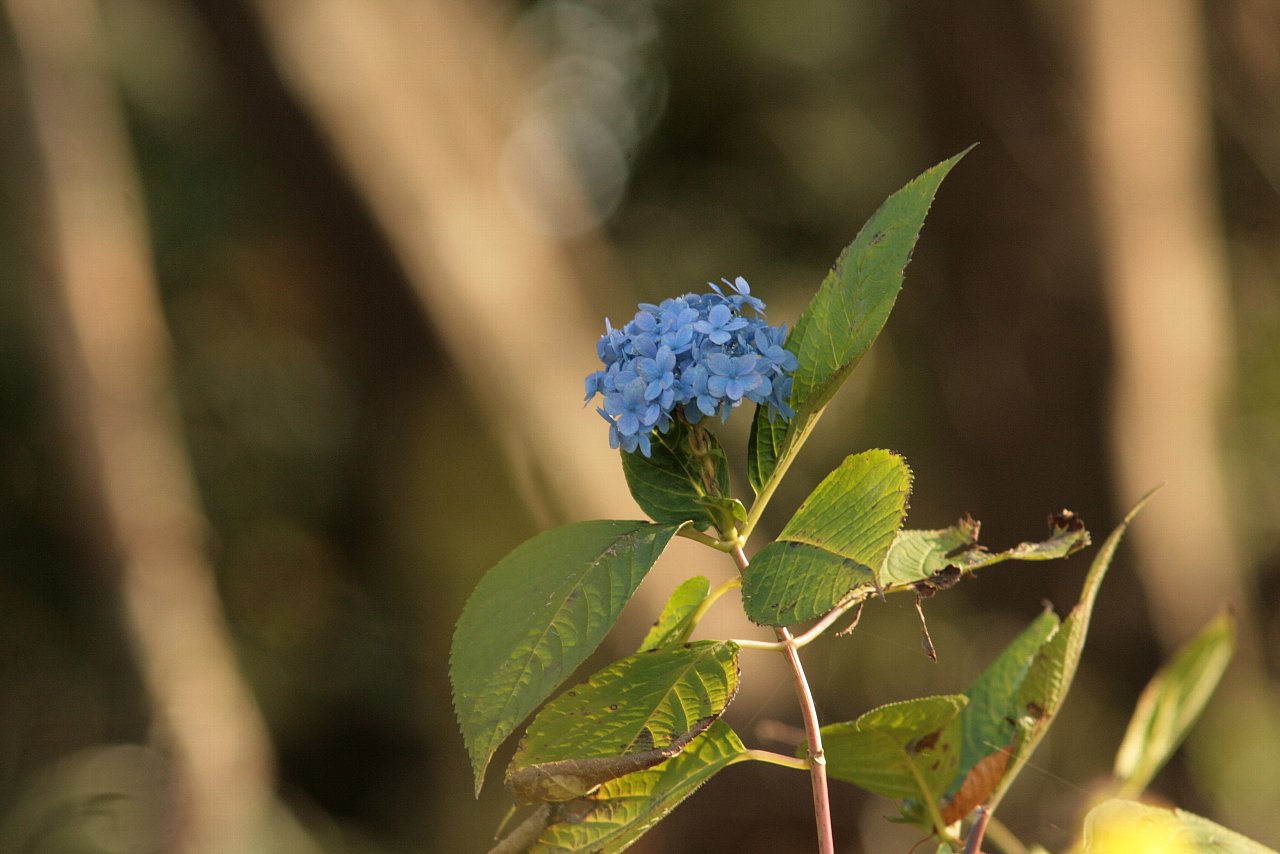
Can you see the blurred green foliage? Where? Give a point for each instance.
(351, 498)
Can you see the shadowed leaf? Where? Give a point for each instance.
(671, 484)
(537, 615)
(675, 623)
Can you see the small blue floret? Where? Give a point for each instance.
(695, 356)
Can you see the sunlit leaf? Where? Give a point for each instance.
(920, 555)
(836, 542)
(1128, 827)
(621, 810)
(907, 750)
(1172, 701)
(675, 623)
(537, 615)
(844, 318)
(631, 715)
(987, 722)
(674, 484)
(1050, 675)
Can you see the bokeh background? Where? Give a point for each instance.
(296, 297)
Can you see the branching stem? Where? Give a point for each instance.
(725, 545)
(800, 640)
(817, 761)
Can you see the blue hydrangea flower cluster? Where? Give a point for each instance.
(698, 354)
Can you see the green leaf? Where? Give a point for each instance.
(1121, 827)
(907, 750)
(843, 320)
(1172, 701)
(920, 555)
(1050, 675)
(621, 810)
(537, 615)
(631, 715)
(675, 623)
(836, 542)
(987, 722)
(672, 484)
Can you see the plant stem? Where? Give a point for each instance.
(775, 759)
(809, 712)
(1003, 837)
(699, 537)
(973, 844)
(712, 597)
(804, 639)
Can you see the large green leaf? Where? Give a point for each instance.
(621, 810)
(1128, 827)
(836, 542)
(675, 484)
(987, 722)
(675, 623)
(1172, 701)
(919, 556)
(631, 715)
(907, 750)
(537, 615)
(1048, 679)
(843, 320)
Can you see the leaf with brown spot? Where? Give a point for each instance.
(906, 750)
(978, 783)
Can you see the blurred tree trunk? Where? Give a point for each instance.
(107, 337)
(1148, 122)
(416, 99)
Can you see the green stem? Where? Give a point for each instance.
(804, 639)
(784, 463)
(939, 826)
(1003, 837)
(774, 759)
(702, 609)
(817, 761)
(707, 540)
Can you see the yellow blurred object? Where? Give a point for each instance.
(1118, 827)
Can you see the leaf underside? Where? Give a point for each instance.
(675, 623)
(621, 810)
(631, 715)
(901, 751)
(535, 616)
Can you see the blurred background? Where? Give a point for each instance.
(296, 299)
